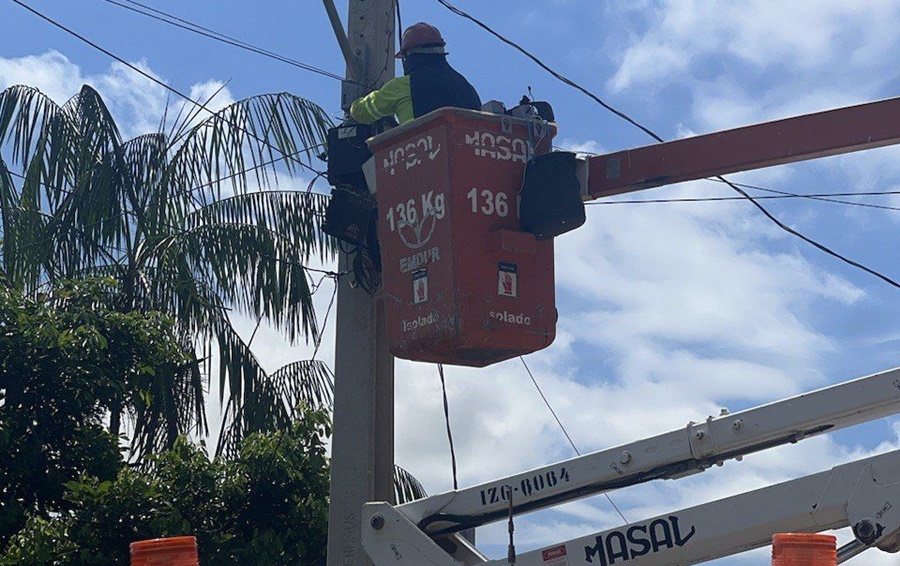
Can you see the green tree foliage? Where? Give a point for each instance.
(66, 359)
(191, 222)
(266, 507)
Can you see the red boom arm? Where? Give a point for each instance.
(832, 132)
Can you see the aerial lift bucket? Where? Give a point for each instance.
(463, 283)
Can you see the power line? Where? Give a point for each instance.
(810, 241)
(565, 432)
(447, 421)
(336, 277)
(544, 66)
(655, 136)
(820, 196)
(172, 20)
(152, 78)
(162, 84)
(547, 402)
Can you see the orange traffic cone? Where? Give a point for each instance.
(175, 551)
(804, 549)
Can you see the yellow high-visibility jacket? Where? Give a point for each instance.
(394, 98)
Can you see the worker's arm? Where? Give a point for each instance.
(394, 98)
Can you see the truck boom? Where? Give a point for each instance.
(862, 494)
(673, 454)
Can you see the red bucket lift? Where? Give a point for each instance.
(462, 283)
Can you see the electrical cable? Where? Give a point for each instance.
(547, 402)
(187, 25)
(447, 421)
(152, 78)
(388, 57)
(820, 196)
(810, 241)
(656, 137)
(91, 225)
(253, 335)
(825, 196)
(510, 528)
(337, 278)
(544, 66)
(565, 432)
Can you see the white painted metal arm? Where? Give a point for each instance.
(669, 455)
(863, 494)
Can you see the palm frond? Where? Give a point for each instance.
(273, 401)
(24, 112)
(293, 215)
(305, 382)
(406, 487)
(251, 400)
(25, 238)
(59, 149)
(172, 287)
(253, 269)
(166, 404)
(249, 136)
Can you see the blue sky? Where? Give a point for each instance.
(668, 312)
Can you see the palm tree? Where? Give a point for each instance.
(191, 223)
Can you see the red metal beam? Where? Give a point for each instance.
(832, 132)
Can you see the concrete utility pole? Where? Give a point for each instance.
(362, 451)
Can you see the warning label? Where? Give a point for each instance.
(420, 286)
(508, 280)
(555, 556)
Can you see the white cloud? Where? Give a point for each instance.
(802, 35)
(137, 103)
(213, 94)
(52, 73)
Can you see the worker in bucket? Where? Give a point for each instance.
(429, 82)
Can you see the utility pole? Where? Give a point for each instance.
(362, 450)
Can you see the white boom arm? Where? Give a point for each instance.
(667, 456)
(670, 455)
(863, 494)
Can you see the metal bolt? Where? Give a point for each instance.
(737, 424)
(625, 457)
(865, 531)
(699, 434)
(377, 522)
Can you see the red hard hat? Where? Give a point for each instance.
(418, 35)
